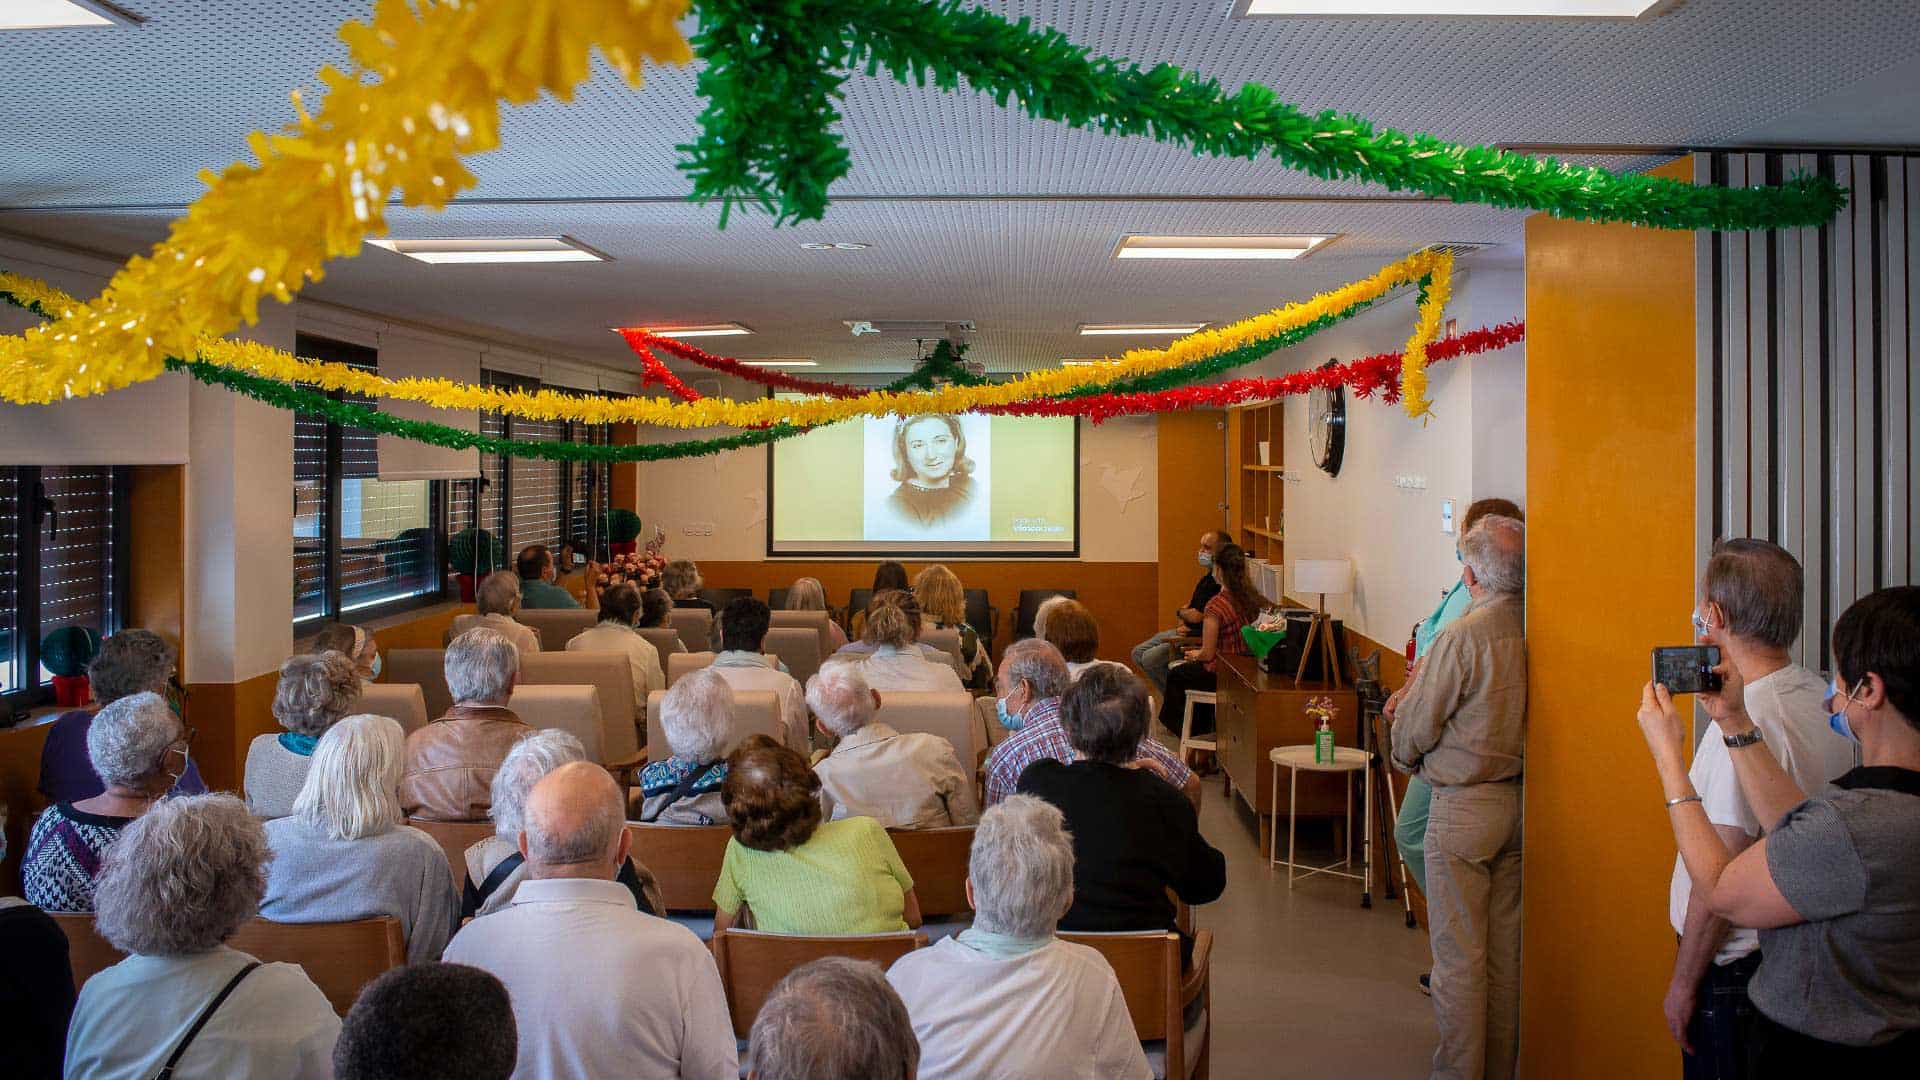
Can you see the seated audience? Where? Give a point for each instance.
(138, 749)
(598, 988)
(943, 606)
(129, 662)
(345, 853)
(1237, 604)
(1071, 628)
(1045, 611)
(1156, 654)
(537, 574)
(696, 716)
(795, 873)
(743, 632)
(619, 608)
(1833, 885)
(428, 1022)
(896, 660)
(314, 692)
(888, 577)
(903, 781)
(682, 581)
(494, 866)
(353, 643)
(1134, 837)
(833, 1019)
(36, 990)
(497, 600)
(807, 594)
(451, 761)
(980, 999)
(655, 605)
(183, 878)
(1032, 677)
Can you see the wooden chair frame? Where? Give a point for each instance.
(752, 962)
(1157, 992)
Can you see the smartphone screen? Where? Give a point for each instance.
(1686, 669)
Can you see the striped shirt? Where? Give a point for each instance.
(1044, 738)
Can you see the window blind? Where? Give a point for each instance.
(9, 579)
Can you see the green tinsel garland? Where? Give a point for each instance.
(775, 71)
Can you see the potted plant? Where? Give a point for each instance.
(66, 651)
(623, 530)
(473, 554)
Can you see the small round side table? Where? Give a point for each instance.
(1346, 760)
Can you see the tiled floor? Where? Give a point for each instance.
(1307, 983)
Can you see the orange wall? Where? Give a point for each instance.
(1192, 451)
(1610, 450)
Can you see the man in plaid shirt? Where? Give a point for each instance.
(1032, 677)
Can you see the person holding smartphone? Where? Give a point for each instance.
(1832, 887)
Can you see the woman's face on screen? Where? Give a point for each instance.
(930, 450)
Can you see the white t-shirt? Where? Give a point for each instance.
(1789, 708)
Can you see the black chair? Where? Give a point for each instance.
(982, 616)
(858, 602)
(777, 599)
(720, 598)
(1030, 601)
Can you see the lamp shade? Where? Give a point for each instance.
(1325, 576)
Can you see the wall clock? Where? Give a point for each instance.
(1327, 427)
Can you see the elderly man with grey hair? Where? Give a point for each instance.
(696, 716)
(833, 1019)
(598, 988)
(451, 761)
(139, 749)
(315, 691)
(1461, 725)
(496, 601)
(1027, 691)
(181, 880)
(1006, 997)
(128, 662)
(494, 866)
(903, 781)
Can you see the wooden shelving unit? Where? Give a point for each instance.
(1259, 490)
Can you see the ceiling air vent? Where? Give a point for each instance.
(927, 329)
(1456, 248)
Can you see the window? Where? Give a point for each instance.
(61, 564)
(360, 544)
(524, 501)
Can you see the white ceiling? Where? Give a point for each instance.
(973, 212)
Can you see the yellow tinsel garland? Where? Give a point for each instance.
(423, 89)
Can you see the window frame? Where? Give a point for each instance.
(25, 525)
(597, 492)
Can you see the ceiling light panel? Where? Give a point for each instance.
(57, 14)
(493, 249)
(1137, 329)
(781, 363)
(1561, 9)
(732, 329)
(1217, 247)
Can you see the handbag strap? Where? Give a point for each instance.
(206, 1014)
(500, 874)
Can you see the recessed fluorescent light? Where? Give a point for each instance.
(836, 245)
(56, 14)
(1122, 329)
(781, 363)
(1081, 363)
(731, 329)
(493, 249)
(1562, 9)
(1216, 247)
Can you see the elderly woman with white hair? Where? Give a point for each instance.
(129, 662)
(451, 761)
(181, 880)
(139, 749)
(315, 691)
(345, 853)
(696, 716)
(1006, 997)
(495, 866)
(807, 594)
(904, 781)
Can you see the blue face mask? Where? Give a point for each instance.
(1007, 719)
(1838, 720)
(375, 666)
(1205, 559)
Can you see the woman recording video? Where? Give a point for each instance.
(1832, 886)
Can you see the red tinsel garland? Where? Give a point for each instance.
(652, 370)
(642, 342)
(1365, 377)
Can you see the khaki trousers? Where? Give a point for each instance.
(1473, 908)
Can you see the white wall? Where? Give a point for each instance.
(1474, 447)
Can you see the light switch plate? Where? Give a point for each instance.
(1446, 516)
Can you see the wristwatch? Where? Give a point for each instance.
(1735, 742)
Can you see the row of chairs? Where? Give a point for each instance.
(982, 615)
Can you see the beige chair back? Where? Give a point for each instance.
(1147, 964)
(936, 859)
(798, 647)
(681, 663)
(755, 712)
(340, 957)
(557, 626)
(946, 639)
(946, 713)
(575, 709)
(454, 838)
(609, 673)
(989, 723)
(695, 626)
(405, 702)
(664, 638)
(426, 667)
(752, 963)
(463, 623)
(818, 621)
(684, 859)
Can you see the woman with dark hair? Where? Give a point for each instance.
(888, 577)
(795, 873)
(935, 474)
(619, 610)
(1832, 886)
(1237, 604)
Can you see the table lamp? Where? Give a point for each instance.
(1321, 576)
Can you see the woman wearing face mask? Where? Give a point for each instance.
(1237, 604)
(353, 643)
(1832, 887)
(139, 749)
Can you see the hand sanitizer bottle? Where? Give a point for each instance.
(1323, 743)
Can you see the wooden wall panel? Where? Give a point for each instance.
(1192, 448)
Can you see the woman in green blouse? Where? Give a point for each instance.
(794, 873)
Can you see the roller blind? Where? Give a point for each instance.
(403, 357)
(76, 550)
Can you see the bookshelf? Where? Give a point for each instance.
(1259, 488)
